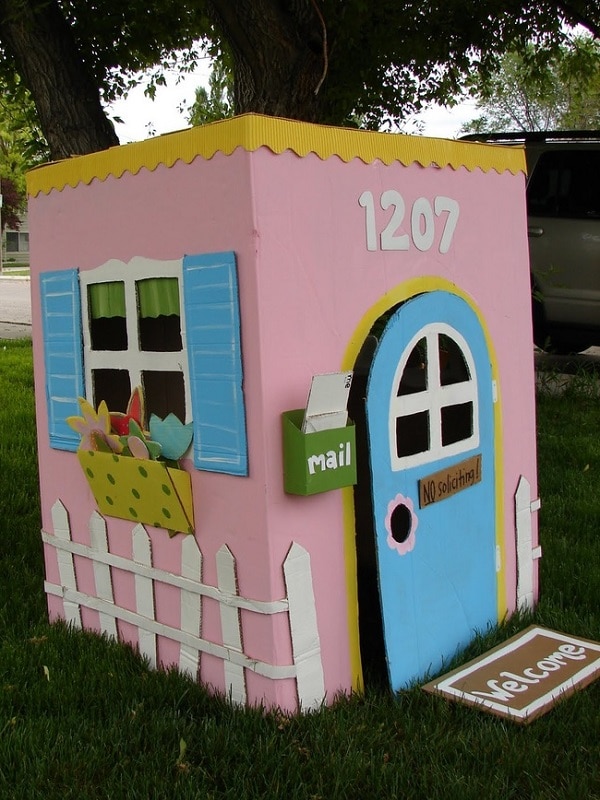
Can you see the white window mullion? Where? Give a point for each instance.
(168, 361)
(105, 359)
(135, 375)
(433, 363)
(408, 404)
(131, 320)
(435, 431)
(457, 393)
(434, 393)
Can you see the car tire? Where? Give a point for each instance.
(564, 347)
(547, 341)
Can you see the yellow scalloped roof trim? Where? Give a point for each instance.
(251, 131)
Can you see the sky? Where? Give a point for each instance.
(143, 117)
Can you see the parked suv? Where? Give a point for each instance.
(563, 207)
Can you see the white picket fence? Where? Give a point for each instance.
(299, 604)
(526, 552)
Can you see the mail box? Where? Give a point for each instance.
(317, 462)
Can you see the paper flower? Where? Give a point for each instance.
(135, 411)
(138, 444)
(94, 428)
(173, 435)
(401, 524)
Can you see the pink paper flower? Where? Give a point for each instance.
(94, 428)
(401, 524)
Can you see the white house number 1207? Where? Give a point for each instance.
(425, 221)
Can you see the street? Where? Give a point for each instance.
(15, 308)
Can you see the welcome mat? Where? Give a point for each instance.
(524, 677)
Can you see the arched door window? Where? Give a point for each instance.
(434, 404)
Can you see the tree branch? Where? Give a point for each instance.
(325, 55)
(579, 18)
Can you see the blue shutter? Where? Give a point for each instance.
(63, 353)
(212, 323)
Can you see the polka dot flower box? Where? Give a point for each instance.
(134, 474)
(140, 490)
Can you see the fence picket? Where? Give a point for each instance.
(526, 552)
(299, 604)
(191, 605)
(144, 593)
(102, 577)
(306, 645)
(66, 565)
(235, 681)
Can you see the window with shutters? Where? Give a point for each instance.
(172, 327)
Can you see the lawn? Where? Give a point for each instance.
(82, 717)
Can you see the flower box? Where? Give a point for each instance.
(140, 490)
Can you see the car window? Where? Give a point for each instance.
(565, 183)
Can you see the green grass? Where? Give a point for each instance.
(82, 717)
(12, 269)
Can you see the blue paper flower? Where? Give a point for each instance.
(173, 436)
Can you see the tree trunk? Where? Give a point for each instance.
(279, 52)
(64, 91)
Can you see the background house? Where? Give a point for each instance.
(15, 245)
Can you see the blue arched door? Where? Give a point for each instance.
(430, 423)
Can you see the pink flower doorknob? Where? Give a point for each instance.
(401, 524)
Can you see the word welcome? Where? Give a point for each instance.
(423, 225)
(448, 482)
(530, 676)
(331, 459)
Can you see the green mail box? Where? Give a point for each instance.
(316, 462)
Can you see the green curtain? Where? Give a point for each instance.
(107, 299)
(156, 297)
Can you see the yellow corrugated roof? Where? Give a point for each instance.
(251, 131)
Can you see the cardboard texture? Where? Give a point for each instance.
(448, 482)
(140, 490)
(252, 131)
(327, 402)
(317, 462)
(439, 557)
(525, 677)
(374, 249)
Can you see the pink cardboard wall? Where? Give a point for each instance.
(318, 280)
(308, 289)
(203, 207)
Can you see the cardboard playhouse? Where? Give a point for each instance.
(285, 401)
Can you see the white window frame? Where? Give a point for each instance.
(133, 359)
(433, 398)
